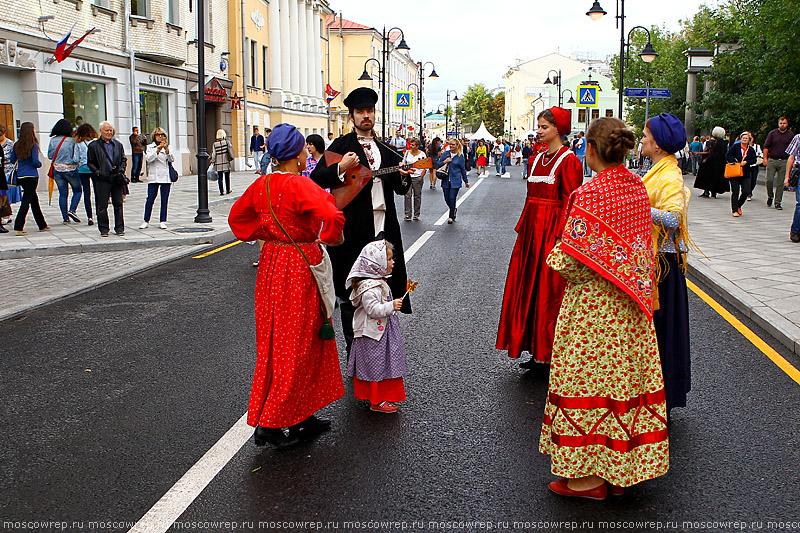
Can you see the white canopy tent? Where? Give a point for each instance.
(482, 133)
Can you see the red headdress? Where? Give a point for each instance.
(609, 229)
(563, 120)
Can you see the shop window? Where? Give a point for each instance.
(84, 101)
(140, 8)
(153, 112)
(609, 112)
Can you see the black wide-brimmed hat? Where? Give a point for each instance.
(361, 98)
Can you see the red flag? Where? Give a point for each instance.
(331, 93)
(62, 54)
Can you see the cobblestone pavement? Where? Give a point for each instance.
(80, 237)
(750, 261)
(37, 281)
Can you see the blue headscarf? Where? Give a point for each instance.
(668, 132)
(285, 142)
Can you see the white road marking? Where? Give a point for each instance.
(171, 506)
(177, 499)
(460, 201)
(414, 248)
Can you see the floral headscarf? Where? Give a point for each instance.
(371, 263)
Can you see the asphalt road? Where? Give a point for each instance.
(109, 397)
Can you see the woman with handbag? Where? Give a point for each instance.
(223, 155)
(297, 371)
(741, 158)
(669, 207)
(26, 155)
(158, 157)
(533, 290)
(64, 171)
(452, 171)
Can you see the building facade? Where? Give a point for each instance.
(527, 95)
(350, 46)
(139, 70)
(278, 64)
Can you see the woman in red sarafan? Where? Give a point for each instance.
(533, 291)
(297, 372)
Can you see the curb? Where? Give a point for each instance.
(215, 237)
(785, 332)
(11, 313)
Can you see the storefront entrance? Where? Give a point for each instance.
(7, 120)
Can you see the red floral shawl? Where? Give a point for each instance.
(609, 229)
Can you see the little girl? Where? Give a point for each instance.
(377, 356)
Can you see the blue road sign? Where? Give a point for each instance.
(587, 96)
(654, 93)
(402, 99)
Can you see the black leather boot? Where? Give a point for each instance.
(309, 428)
(274, 436)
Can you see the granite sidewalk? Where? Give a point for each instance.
(79, 237)
(750, 263)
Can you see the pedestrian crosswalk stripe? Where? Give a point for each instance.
(757, 341)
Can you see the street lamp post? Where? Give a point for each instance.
(382, 69)
(447, 108)
(203, 214)
(648, 54)
(433, 74)
(557, 80)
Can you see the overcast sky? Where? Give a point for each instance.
(477, 40)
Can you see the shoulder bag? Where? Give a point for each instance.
(52, 163)
(794, 177)
(733, 170)
(173, 174)
(323, 275)
(443, 172)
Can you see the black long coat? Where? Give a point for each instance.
(359, 226)
(711, 174)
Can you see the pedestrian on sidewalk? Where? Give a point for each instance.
(605, 418)
(711, 174)
(223, 155)
(107, 161)
(775, 158)
(669, 206)
(756, 168)
(499, 153)
(377, 361)
(793, 162)
(413, 155)
(138, 144)
(695, 147)
(84, 136)
(533, 291)
(741, 152)
(10, 192)
(158, 156)
(61, 153)
(257, 147)
(26, 156)
(482, 154)
(297, 371)
(456, 175)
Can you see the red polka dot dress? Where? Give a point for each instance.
(297, 372)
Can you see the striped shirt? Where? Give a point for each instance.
(794, 148)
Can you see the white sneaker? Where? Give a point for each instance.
(144, 225)
(163, 225)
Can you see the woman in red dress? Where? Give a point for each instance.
(533, 291)
(297, 372)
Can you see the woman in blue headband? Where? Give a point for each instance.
(297, 371)
(669, 205)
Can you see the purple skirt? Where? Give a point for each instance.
(372, 360)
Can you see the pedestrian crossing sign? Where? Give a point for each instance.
(402, 99)
(587, 96)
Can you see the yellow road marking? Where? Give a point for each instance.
(215, 250)
(757, 341)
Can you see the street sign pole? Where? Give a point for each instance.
(647, 103)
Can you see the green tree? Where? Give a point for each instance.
(478, 105)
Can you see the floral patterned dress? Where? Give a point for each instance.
(605, 413)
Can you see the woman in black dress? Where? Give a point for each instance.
(711, 174)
